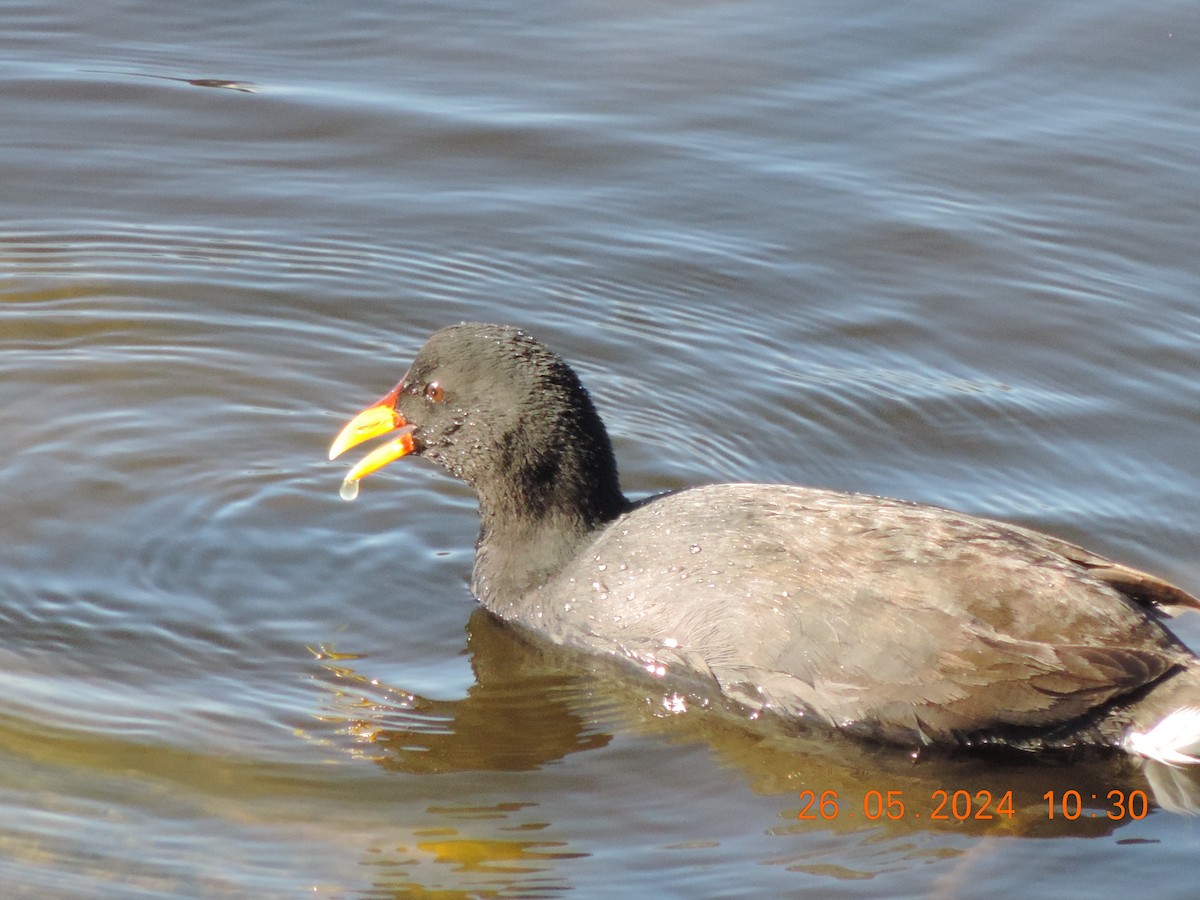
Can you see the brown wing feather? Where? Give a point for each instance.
(1146, 589)
(1142, 587)
(917, 624)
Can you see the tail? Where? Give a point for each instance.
(1174, 739)
(1164, 724)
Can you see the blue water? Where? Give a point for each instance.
(944, 254)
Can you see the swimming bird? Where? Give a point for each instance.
(890, 620)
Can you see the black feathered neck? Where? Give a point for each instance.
(508, 416)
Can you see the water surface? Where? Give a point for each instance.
(942, 254)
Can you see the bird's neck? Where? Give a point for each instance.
(530, 530)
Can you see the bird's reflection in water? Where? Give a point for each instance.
(521, 713)
(534, 703)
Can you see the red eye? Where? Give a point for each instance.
(434, 392)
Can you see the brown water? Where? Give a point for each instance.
(945, 254)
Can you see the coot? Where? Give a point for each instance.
(895, 621)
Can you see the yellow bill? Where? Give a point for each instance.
(377, 419)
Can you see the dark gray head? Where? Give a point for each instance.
(504, 413)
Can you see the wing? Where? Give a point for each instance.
(1147, 589)
(904, 621)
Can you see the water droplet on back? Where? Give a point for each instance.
(349, 489)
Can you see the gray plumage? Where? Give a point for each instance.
(897, 621)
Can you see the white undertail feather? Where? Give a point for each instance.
(1174, 741)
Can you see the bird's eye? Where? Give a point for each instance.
(434, 392)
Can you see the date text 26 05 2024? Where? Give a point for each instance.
(960, 805)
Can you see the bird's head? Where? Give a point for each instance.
(495, 408)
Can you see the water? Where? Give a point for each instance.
(946, 254)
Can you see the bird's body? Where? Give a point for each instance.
(901, 622)
(895, 620)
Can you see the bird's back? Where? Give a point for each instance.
(904, 621)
